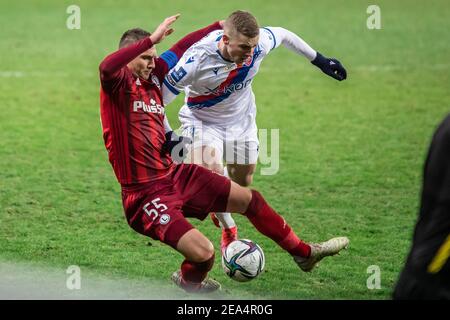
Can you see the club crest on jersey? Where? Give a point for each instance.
(155, 80)
(248, 62)
(152, 108)
(165, 218)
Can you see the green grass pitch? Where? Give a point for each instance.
(351, 153)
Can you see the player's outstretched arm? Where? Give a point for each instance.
(330, 66)
(291, 41)
(181, 46)
(164, 29)
(110, 67)
(170, 57)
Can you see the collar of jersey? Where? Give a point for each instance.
(218, 51)
(143, 81)
(223, 58)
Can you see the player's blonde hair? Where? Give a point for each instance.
(242, 22)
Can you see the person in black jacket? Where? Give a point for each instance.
(426, 274)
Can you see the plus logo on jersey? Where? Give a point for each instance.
(152, 108)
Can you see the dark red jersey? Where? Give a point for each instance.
(132, 112)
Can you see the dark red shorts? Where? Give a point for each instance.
(158, 209)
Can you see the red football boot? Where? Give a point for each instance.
(228, 236)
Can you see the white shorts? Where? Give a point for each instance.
(236, 144)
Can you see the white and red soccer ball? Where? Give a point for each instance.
(243, 260)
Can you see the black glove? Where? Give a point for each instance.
(331, 67)
(177, 146)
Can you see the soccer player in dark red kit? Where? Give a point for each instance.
(157, 193)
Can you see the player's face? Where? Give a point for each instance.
(240, 47)
(143, 65)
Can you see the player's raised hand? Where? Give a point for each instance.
(331, 67)
(164, 29)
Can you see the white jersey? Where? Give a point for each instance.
(217, 91)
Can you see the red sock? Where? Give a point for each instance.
(193, 273)
(272, 225)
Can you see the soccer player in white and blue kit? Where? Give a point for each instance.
(219, 111)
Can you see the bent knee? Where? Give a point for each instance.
(239, 198)
(202, 252)
(245, 181)
(246, 199)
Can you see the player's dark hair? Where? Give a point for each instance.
(244, 23)
(133, 35)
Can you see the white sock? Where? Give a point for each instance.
(225, 219)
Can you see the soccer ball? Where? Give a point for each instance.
(243, 260)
